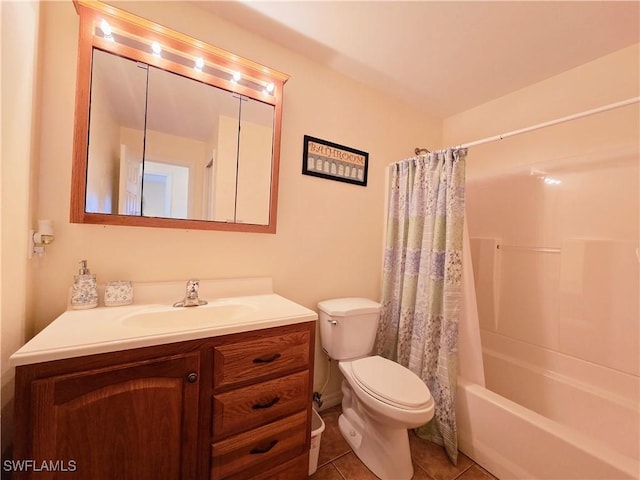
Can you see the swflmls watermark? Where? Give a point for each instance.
(30, 465)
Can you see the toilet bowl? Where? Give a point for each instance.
(390, 391)
(381, 399)
(375, 423)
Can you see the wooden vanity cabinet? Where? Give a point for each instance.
(230, 407)
(262, 388)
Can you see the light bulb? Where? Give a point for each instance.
(106, 28)
(156, 49)
(199, 64)
(269, 88)
(236, 76)
(46, 239)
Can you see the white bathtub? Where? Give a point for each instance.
(587, 423)
(595, 400)
(512, 441)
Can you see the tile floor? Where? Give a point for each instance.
(336, 460)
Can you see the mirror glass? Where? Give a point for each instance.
(167, 146)
(255, 144)
(116, 136)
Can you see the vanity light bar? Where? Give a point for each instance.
(105, 31)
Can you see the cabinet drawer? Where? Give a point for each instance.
(295, 469)
(254, 359)
(251, 406)
(260, 449)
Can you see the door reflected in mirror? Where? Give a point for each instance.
(167, 146)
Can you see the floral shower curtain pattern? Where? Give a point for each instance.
(422, 280)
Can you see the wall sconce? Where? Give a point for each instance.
(38, 240)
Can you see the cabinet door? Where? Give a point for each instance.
(135, 421)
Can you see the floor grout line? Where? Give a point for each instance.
(463, 471)
(335, 458)
(424, 472)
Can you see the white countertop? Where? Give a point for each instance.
(107, 329)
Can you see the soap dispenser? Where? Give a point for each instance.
(84, 292)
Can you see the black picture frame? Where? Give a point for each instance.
(325, 159)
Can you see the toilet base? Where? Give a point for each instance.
(385, 451)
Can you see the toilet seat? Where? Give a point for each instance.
(391, 383)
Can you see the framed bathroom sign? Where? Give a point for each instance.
(325, 159)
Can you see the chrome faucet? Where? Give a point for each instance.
(191, 297)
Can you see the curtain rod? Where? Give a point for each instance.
(550, 123)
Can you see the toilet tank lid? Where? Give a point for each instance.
(340, 307)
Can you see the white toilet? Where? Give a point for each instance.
(381, 398)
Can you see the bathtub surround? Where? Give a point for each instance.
(422, 279)
(558, 295)
(574, 398)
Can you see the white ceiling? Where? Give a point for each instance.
(442, 56)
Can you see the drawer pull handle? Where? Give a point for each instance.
(268, 359)
(270, 403)
(265, 449)
(192, 377)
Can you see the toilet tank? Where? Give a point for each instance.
(348, 327)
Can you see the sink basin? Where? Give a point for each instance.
(189, 317)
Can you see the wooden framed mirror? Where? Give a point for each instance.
(170, 131)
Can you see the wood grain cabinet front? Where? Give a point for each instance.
(252, 406)
(162, 413)
(262, 387)
(242, 456)
(134, 421)
(254, 359)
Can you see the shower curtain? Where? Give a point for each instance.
(422, 280)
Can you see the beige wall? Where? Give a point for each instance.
(329, 236)
(17, 295)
